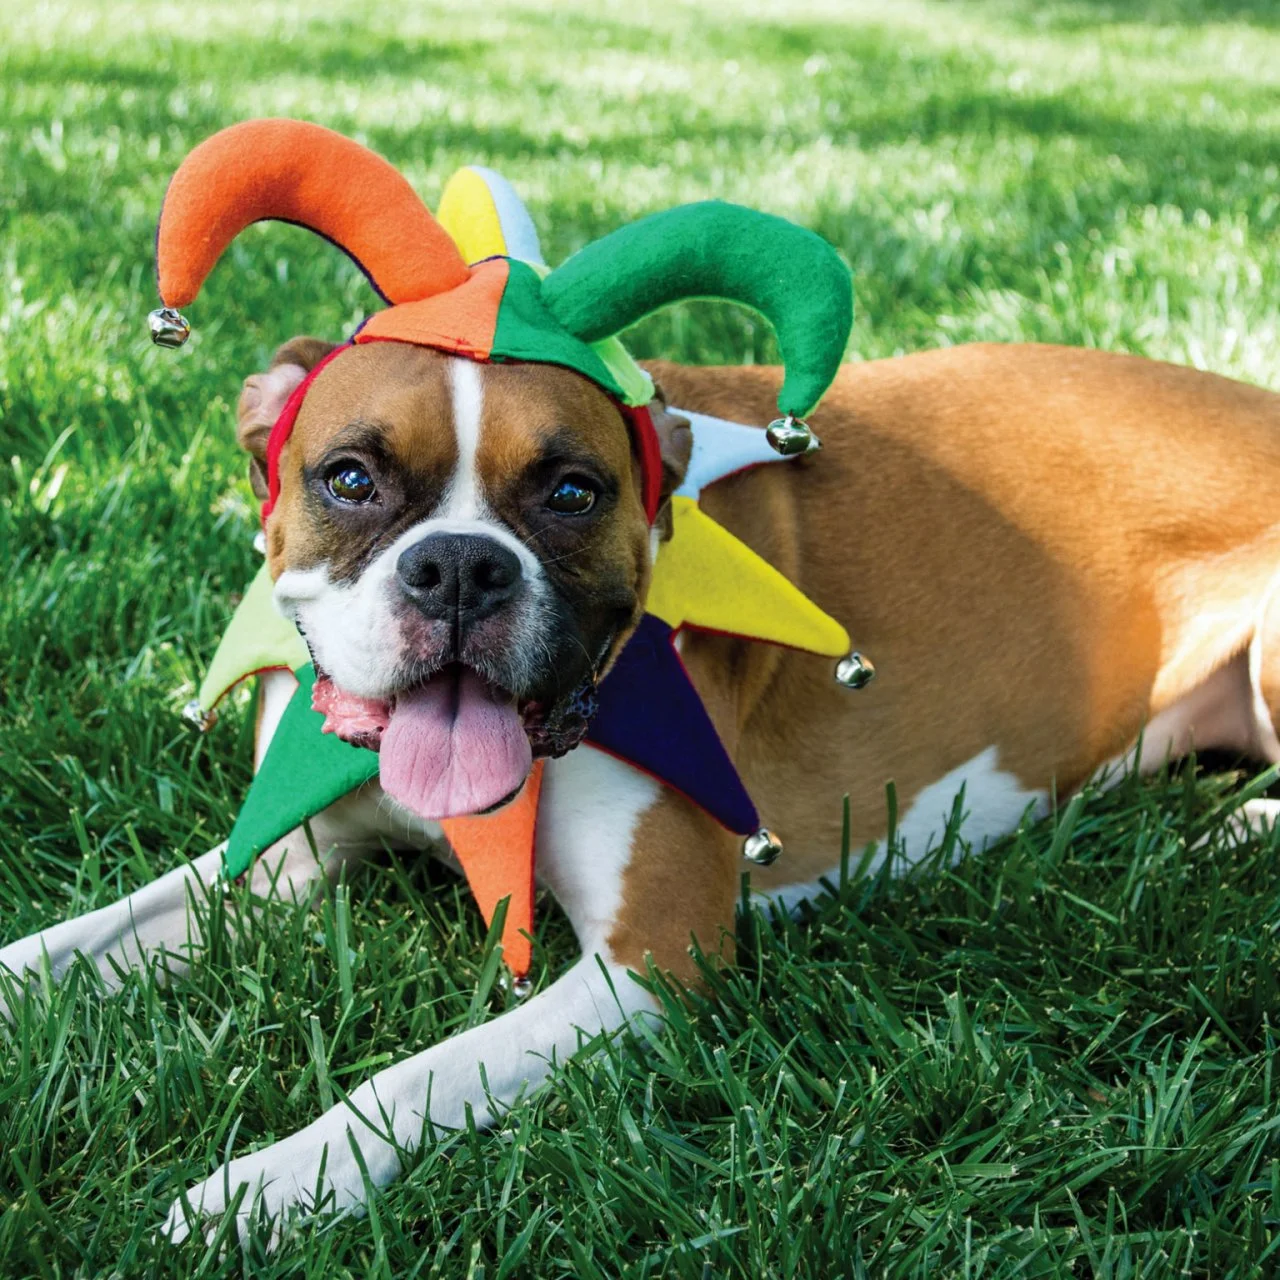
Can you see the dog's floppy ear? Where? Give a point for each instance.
(675, 438)
(263, 398)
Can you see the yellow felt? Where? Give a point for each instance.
(257, 639)
(705, 577)
(468, 213)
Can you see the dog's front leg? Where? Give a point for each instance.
(317, 1166)
(162, 919)
(639, 871)
(158, 921)
(153, 919)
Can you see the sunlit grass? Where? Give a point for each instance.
(1053, 1059)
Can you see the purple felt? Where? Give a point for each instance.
(652, 717)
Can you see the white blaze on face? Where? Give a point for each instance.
(463, 499)
(353, 628)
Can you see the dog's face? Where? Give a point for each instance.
(464, 548)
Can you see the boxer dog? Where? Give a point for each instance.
(1053, 555)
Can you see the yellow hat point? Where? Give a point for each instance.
(705, 577)
(485, 218)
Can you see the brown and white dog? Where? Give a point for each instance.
(1047, 551)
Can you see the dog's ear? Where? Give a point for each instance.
(675, 438)
(263, 397)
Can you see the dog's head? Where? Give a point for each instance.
(466, 545)
(464, 548)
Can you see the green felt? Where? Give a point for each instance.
(637, 386)
(789, 275)
(258, 638)
(304, 771)
(526, 330)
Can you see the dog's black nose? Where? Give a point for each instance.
(462, 576)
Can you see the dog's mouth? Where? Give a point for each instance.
(455, 744)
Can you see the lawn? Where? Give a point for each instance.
(1053, 1059)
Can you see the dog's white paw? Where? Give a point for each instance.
(1255, 818)
(313, 1170)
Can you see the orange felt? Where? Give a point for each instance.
(462, 321)
(303, 173)
(496, 853)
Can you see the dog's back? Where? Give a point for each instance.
(1043, 550)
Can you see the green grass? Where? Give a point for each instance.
(1054, 1059)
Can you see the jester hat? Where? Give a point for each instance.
(501, 308)
(480, 290)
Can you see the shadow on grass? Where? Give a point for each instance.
(1080, 15)
(1187, 166)
(871, 58)
(330, 50)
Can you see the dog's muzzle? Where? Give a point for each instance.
(461, 582)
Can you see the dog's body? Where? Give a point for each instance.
(1047, 552)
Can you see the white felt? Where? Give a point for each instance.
(517, 226)
(721, 448)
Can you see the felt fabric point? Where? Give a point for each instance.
(705, 577)
(485, 218)
(462, 321)
(258, 638)
(721, 449)
(302, 173)
(652, 717)
(303, 772)
(496, 852)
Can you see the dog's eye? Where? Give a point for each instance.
(573, 496)
(350, 482)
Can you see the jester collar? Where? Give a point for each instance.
(473, 283)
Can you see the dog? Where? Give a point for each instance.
(1061, 560)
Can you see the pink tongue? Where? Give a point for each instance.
(451, 750)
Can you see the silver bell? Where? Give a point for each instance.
(855, 671)
(194, 713)
(522, 988)
(791, 436)
(763, 848)
(260, 543)
(169, 328)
